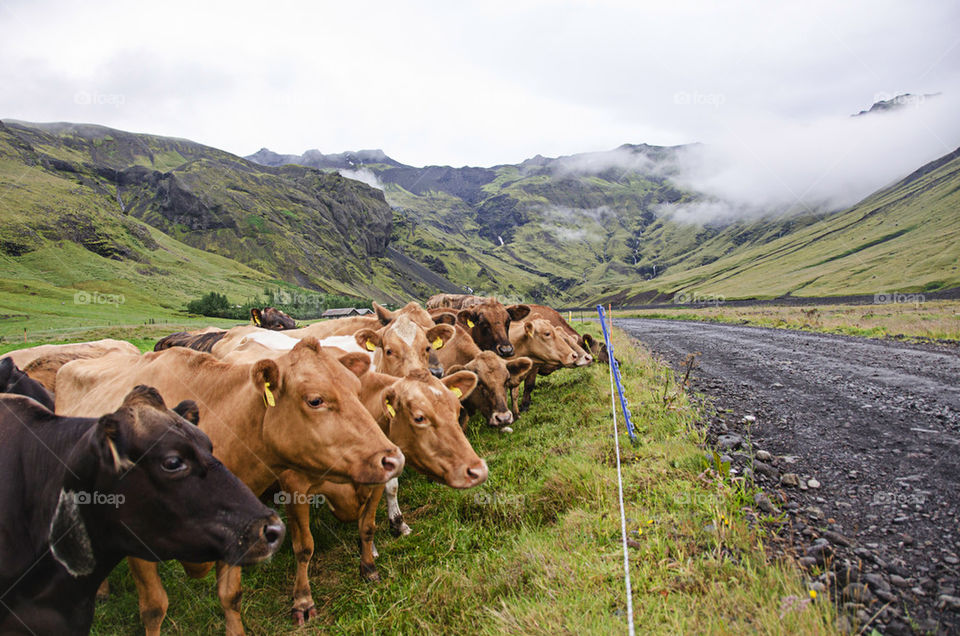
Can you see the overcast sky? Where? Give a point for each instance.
(497, 82)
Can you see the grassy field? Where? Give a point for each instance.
(929, 320)
(536, 549)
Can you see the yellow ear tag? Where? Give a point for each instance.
(371, 346)
(457, 391)
(268, 395)
(256, 320)
(391, 411)
(470, 323)
(438, 343)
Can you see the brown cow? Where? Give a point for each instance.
(544, 344)
(488, 323)
(381, 318)
(495, 376)
(95, 349)
(82, 493)
(299, 410)
(272, 318)
(597, 350)
(420, 414)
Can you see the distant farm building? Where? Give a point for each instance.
(343, 312)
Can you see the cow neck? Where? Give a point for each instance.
(237, 438)
(374, 385)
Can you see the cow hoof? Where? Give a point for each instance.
(369, 573)
(398, 528)
(524, 408)
(301, 616)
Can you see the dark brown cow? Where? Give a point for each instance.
(140, 481)
(488, 323)
(272, 318)
(13, 380)
(202, 340)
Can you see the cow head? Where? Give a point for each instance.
(584, 357)
(404, 346)
(544, 343)
(143, 481)
(423, 419)
(314, 420)
(489, 324)
(495, 376)
(13, 380)
(596, 348)
(416, 313)
(272, 318)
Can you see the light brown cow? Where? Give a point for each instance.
(299, 410)
(544, 344)
(381, 318)
(95, 349)
(596, 350)
(420, 414)
(495, 376)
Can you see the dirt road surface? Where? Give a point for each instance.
(874, 424)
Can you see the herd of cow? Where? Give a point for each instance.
(100, 469)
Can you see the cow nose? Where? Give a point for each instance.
(477, 474)
(273, 534)
(437, 372)
(392, 462)
(502, 418)
(505, 350)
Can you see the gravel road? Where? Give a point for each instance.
(874, 424)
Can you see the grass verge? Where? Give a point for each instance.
(934, 320)
(536, 549)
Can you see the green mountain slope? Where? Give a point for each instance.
(904, 238)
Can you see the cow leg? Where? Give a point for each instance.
(230, 589)
(528, 384)
(150, 593)
(515, 401)
(397, 526)
(367, 523)
(298, 521)
(103, 592)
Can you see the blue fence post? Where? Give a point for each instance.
(616, 375)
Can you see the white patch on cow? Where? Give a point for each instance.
(405, 329)
(437, 391)
(347, 343)
(393, 506)
(69, 541)
(272, 340)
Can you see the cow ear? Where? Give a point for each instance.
(189, 411)
(455, 368)
(440, 335)
(518, 368)
(588, 342)
(467, 318)
(518, 312)
(384, 315)
(265, 375)
(368, 339)
(256, 317)
(390, 404)
(528, 328)
(462, 383)
(445, 318)
(358, 363)
(101, 447)
(6, 370)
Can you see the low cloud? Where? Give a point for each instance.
(590, 163)
(776, 167)
(364, 175)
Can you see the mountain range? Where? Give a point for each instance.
(165, 220)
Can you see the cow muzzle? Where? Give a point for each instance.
(505, 351)
(261, 540)
(382, 467)
(585, 360)
(501, 418)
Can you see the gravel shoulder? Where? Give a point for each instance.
(855, 441)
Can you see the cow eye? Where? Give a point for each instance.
(420, 420)
(173, 464)
(389, 352)
(315, 402)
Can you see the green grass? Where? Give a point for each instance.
(536, 549)
(934, 320)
